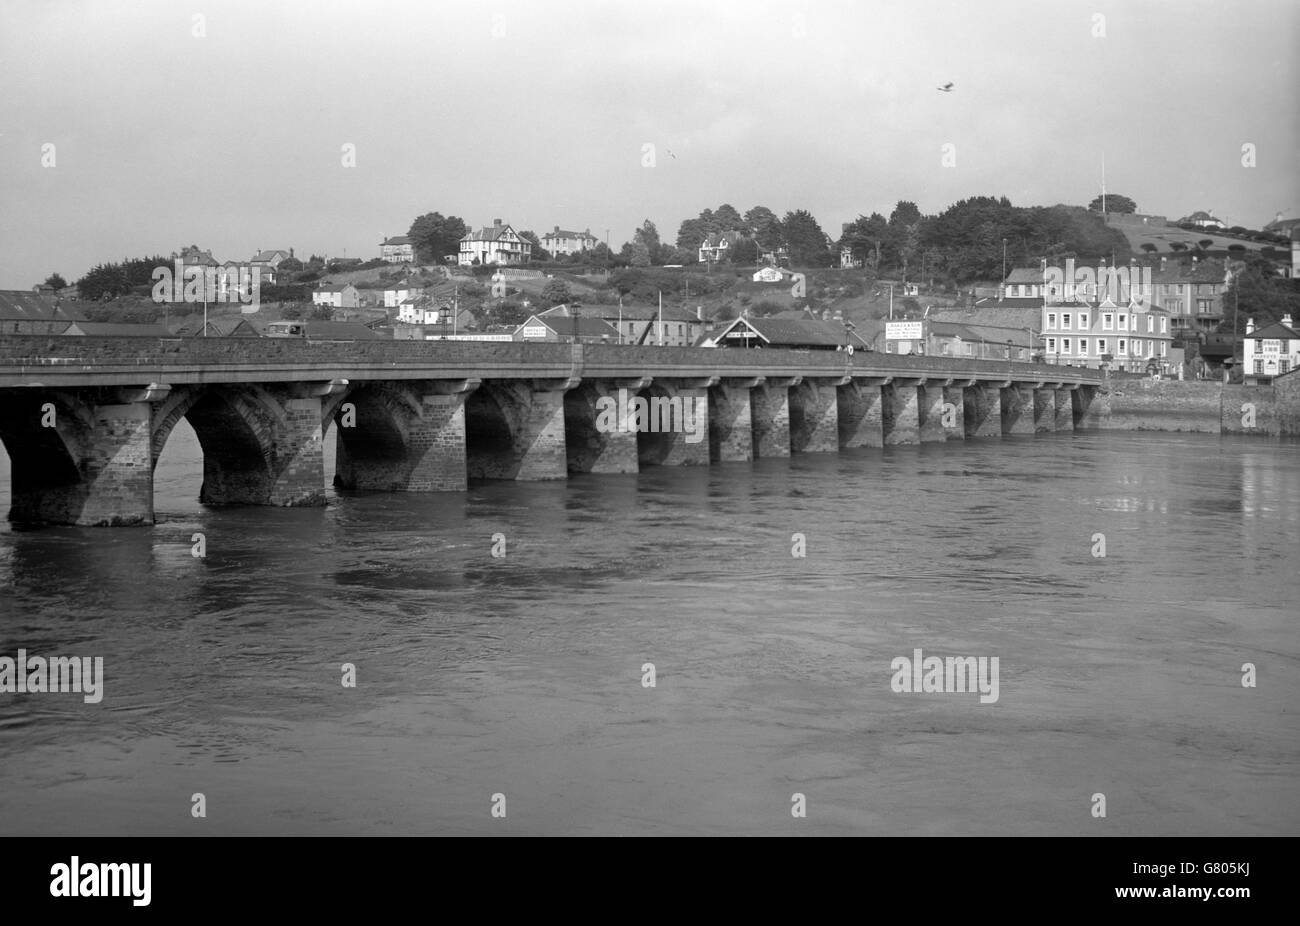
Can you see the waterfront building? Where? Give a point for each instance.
(1271, 350)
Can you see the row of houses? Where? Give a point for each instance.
(497, 243)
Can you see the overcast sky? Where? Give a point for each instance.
(538, 113)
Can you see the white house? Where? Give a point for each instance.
(496, 244)
(397, 250)
(560, 241)
(1272, 350)
(399, 293)
(339, 295)
(770, 275)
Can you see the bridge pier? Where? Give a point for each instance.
(91, 466)
(814, 416)
(770, 404)
(1044, 410)
(598, 430)
(860, 413)
(929, 407)
(689, 440)
(731, 424)
(1063, 399)
(954, 412)
(514, 429)
(1091, 407)
(401, 437)
(1017, 409)
(982, 410)
(901, 418)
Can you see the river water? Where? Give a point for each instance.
(522, 675)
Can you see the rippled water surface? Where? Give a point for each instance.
(522, 675)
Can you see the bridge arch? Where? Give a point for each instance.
(373, 423)
(49, 466)
(496, 416)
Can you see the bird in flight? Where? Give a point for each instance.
(946, 88)
(671, 155)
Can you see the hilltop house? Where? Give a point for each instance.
(399, 293)
(1201, 220)
(495, 244)
(715, 246)
(397, 250)
(560, 241)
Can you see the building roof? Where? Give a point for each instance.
(991, 334)
(29, 306)
(627, 312)
(116, 329)
(993, 315)
(1201, 271)
(491, 233)
(1025, 275)
(269, 255)
(339, 331)
(1274, 332)
(791, 332)
(396, 240)
(333, 287)
(561, 233)
(716, 239)
(586, 327)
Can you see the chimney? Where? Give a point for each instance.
(557, 229)
(496, 223)
(1250, 326)
(1162, 262)
(699, 312)
(1286, 320)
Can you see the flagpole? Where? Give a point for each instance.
(661, 318)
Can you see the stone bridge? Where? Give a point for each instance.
(85, 419)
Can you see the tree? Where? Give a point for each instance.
(291, 312)
(743, 252)
(904, 233)
(726, 218)
(764, 225)
(290, 265)
(323, 313)
(434, 236)
(645, 245)
(556, 292)
(865, 238)
(805, 240)
(1257, 292)
(539, 252)
(56, 281)
(1114, 203)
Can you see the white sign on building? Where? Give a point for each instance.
(904, 331)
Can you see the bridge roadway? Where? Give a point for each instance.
(85, 419)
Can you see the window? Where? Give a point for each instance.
(1163, 345)
(1151, 324)
(1020, 354)
(1123, 346)
(1283, 365)
(1065, 319)
(1051, 319)
(1123, 323)
(1083, 321)
(889, 347)
(1107, 321)
(1204, 306)
(1065, 345)
(1051, 345)
(970, 349)
(1083, 347)
(943, 348)
(1259, 366)
(1101, 345)
(1164, 326)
